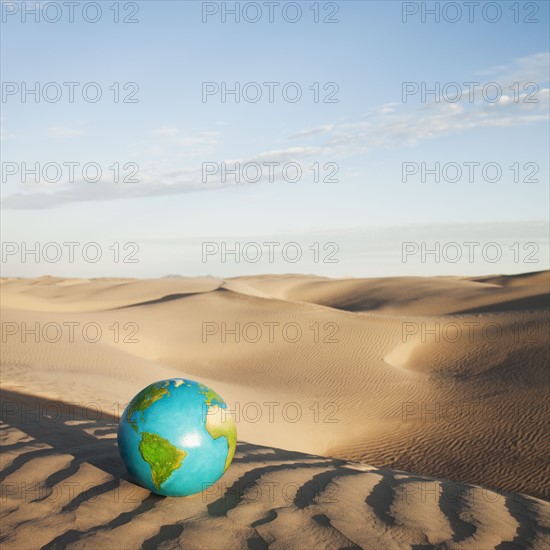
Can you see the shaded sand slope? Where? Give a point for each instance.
(413, 295)
(63, 486)
(55, 294)
(413, 384)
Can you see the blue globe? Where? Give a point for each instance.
(176, 437)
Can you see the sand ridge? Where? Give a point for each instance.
(64, 486)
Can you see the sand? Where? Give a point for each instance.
(374, 413)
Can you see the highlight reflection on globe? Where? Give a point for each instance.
(176, 437)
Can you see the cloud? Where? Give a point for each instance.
(313, 131)
(391, 125)
(530, 68)
(406, 128)
(159, 184)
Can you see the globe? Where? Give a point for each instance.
(177, 437)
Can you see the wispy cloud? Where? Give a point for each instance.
(387, 126)
(530, 68)
(524, 100)
(406, 128)
(325, 129)
(156, 184)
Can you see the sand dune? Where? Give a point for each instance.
(446, 377)
(413, 295)
(65, 487)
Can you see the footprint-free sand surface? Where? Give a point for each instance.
(372, 413)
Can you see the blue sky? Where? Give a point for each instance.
(369, 133)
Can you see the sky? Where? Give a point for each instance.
(381, 177)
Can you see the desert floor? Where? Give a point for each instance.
(339, 387)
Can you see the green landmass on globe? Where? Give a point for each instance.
(227, 430)
(144, 399)
(210, 395)
(161, 455)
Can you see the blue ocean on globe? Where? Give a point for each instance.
(176, 437)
